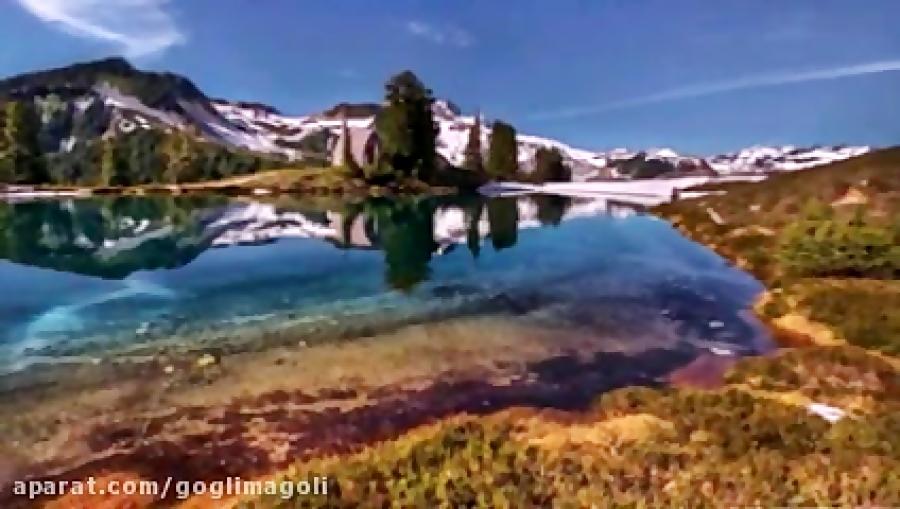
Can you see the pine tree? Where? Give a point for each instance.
(503, 160)
(549, 166)
(107, 163)
(7, 165)
(179, 151)
(406, 128)
(20, 132)
(474, 161)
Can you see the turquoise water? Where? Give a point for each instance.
(81, 277)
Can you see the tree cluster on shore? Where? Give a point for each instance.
(142, 156)
(408, 135)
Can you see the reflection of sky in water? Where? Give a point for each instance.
(580, 260)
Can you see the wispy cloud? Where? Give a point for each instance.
(447, 34)
(135, 27)
(720, 87)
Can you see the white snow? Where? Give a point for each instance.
(648, 192)
(827, 412)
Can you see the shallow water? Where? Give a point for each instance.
(454, 302)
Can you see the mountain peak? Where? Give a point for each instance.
(153, 88)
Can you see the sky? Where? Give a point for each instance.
(701, 76)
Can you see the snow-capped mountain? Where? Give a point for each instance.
(108, 98)
(784, 158)
(289, 132)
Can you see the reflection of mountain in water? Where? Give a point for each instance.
(109, 238)
(112, 238)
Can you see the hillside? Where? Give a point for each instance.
(824, 240)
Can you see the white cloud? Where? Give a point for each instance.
(448, 34)
(719, 87)
(136, 27)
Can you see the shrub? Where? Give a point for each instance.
(818, 244)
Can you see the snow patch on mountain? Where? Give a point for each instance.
(269, 131)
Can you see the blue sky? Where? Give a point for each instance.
(700, 76)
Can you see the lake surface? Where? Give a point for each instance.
(387, 313)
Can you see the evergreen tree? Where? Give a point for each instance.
(503, 162)
(549, 166)
(473, 161)
(107, 163)
(406, 128)
(7, 165)
(20, 140)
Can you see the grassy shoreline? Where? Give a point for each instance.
(748, 224)
(310, 181)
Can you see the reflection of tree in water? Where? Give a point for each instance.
(406, 234)
(473, 233)
(114, 237)
(71, 235)
(503, 216)
(551, 208)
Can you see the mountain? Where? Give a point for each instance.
(288, 132)
(163, 128)
(109, 97)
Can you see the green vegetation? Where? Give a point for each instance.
(150, 157)
(751, 443)
(823, 240)
(406, 131)
(862, 311)
(20, 161)
(503, 162)
(818, 244)
(143, 156)
(549, 167)
(474, 160)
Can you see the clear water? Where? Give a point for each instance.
(331, 324)
(80, 277)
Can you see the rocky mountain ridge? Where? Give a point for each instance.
(109, 98)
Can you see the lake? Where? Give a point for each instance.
(135, 330)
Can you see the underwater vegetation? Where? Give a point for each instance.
(749, 443)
